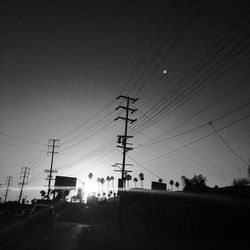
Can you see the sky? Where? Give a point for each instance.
(64, 63)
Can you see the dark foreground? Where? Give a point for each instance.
(68, 235)
(176, 224)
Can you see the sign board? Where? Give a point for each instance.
(65, 182)
(158, 186)
(48, 171)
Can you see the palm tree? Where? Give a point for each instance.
(98, 181)
(177, 184)
(90, 176)
(141, 175)
(108, 180)
(128, 178)
(135, 181)
(43, 193)
(102, 181)
(171, 182)
(112, 179)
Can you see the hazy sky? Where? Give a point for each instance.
(63, 63)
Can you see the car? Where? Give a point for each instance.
(42, 216)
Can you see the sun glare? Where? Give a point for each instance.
(90, 187)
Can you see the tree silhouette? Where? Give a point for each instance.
(141, 176)
(177, 184)
(102, 181)
(135, 181)
(108, 180)
(112, 180)
(98, 181)
(195, 184)
(90, 176)
(43, 193)
(128, 178)
(171, 182)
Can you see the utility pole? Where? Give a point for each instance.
(8, 183)
(122, 139)
(52, 149)
(24, 176)
(117, 165)
(1, 192)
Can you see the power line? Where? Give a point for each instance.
(21, 139)
(136, 69)
(94, 133)
(40, 172)
(176, 40)
(151, 172)
(198, 127)
(160, 48)
(19, 146)
(92, 126)
(101, 157)
(154, 174)
(88, 155)
(84, 123)
(227, 145)
(199, 139)
(220, 98)
(197, 69)
(152, 44)
(161, 112)
(190, 159)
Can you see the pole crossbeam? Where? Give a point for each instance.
(130, 109)
(126, 119)
(128, 98)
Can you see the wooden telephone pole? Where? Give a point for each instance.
(52, 149)
(24, 176)
(122, 139)
(8, 183)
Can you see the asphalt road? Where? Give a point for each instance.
(75, 236)
(63, 236)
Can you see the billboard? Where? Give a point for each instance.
(158, 186)
(65, 182)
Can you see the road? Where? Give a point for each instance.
(75, 236)
(63, 236)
